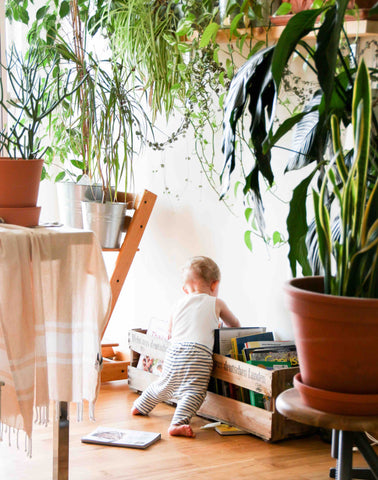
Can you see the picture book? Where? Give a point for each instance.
(115, 437)
(278, 354)
(237, 343)
(268, 343)
(258, 399)
(222, 337)
(156, 328)
(224, 429)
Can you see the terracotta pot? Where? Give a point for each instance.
(336, 338)
(19, 182)
(23, 216)
(299, 5)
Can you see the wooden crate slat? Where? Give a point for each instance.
(242, 374)
(251, 419)
(139, 379)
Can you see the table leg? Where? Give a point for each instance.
(344, 456)
(341, 472)
(363, 445)
(61, 443)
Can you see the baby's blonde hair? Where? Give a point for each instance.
(201, 268)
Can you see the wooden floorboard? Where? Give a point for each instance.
(209, 455)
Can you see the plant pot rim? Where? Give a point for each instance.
(19, 159)
(312, 287)
(104, 203)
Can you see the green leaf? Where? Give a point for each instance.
(64, 9)
(373, 10)
(235, 23)
(283, 9)
(78, 164)
(297, 227)
(41, 12)
(24, 16)
(277, 238)
(248, 239)
(210, 33)
(184, 47)
(60, 176)
(247, 213)
(184, 27)
(299, 26)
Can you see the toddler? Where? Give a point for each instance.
(188, 362)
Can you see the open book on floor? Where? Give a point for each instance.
(116, 437)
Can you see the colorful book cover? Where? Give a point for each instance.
(222, 337)
(238, 342)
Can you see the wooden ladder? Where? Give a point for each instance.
(116, 362)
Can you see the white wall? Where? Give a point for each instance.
(190, 220)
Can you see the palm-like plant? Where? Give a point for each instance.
(257, 84)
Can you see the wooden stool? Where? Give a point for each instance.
(347, 431)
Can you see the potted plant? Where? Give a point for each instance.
(35, 92)
(118, 124)
(347, 194)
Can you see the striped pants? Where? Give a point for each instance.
(185, 377)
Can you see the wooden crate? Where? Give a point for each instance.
(115, 363)
(267, 424)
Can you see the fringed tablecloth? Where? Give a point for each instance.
(54, 303)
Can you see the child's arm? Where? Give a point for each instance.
(225, 314)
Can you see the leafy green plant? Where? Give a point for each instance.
(355, 253)
(257, 84)
(36, 91)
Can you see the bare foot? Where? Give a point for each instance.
(181, 431)
(134, 411)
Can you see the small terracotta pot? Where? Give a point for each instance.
(19, 182)
(299, 5)
(336, 338)
(23, 216)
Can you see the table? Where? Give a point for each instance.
(55, 299)
(347, 431)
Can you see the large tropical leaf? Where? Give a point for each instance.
(257, 72)
(304, 135)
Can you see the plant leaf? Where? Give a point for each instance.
(210, 32)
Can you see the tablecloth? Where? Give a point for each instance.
(54, 303)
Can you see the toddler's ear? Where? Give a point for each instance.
(185, 290)
(214, 285)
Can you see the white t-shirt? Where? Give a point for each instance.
(194, 320)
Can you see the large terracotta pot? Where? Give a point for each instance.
(19, 187)
(336, 338)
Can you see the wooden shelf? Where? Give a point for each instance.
(363, 27)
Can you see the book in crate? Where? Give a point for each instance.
(269, 425)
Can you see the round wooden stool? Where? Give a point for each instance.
(347, 431)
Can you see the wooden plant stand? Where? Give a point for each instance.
(116, 362)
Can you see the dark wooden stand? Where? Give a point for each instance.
(348, 431)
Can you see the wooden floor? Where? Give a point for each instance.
(209, 455)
